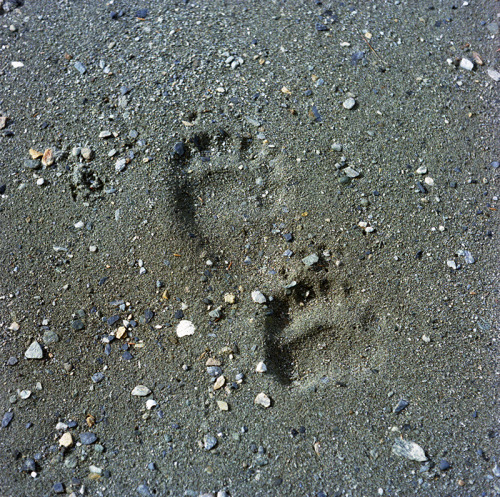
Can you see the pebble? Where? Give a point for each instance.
(12, 361)
(150, 403)
(219, 382)
(144, 491)
(120, 165)
(77, 324)
(7, 418)
(105, 134)
(422, 170)
(185, 328)
(262, 400)
(451, 263)
(349, 103)
(494, 75)
(469, 259)
(87, 153)
(429, 181)
(337, 147)
(25, 394)
(402, 404)
(88, 438)
(310, 260)
(98, 377)
(229, 298)
(261, 368)
(496, 470)
(350, 172)
(40, 182)
(258, 297)
(209, 442)
(34, 351)
(48, 157)
(58, 488)
(141, 391)
(179, 149)
(444, 465)
(466, 64)
(222, 405)
(50, 337)
(66, 440)
(214, 371)
(80, 67)
(408, 449)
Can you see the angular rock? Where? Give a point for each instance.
(408, 449)
(262, 400)
(141, 391)
(310, 260)
(258, 297)
(34, 351)
(185, 328)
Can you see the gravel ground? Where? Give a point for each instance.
(249, 248)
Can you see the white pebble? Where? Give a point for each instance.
(349, 103)
(261, 368)
(262, 400)
(258, 297)
(185, 328)
(429, 181)
(466, 64)
(451, 263)
(79, 225)
(25, 394)
(422, 170)
(141, 391)
(40, 181)
(150, 403)
(92, 248)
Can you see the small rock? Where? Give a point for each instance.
(14, 327)
(66, 440)
(466, 64)
(105, 134)
(262, 400)
(310, 260)
(144, 491)
(444, 465)
(229, 298)
(349, 103)
(25, 394)
(185, 328)
(80, 67)
(50, 337)
(34, 351)
(58, 488)
(451, 263)
(7, 418)
(219, 382)
(408, 449)
(258, 297)
(141, 391)
(350, 172)
(429, 181)
(12, 361)
(120, 165)
(422, 170)
(261, 368)
(402, 404)
(179, 149)
(88, 438)
(98, 377)
(87, 153)
(222, 405)
(496, 470)
(150, 403)
(494, 75)
(77, 325)
(209, 442)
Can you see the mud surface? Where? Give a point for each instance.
(230, 158)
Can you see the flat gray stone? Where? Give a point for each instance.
(34, 351)
(409, 449)
(310, 260)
